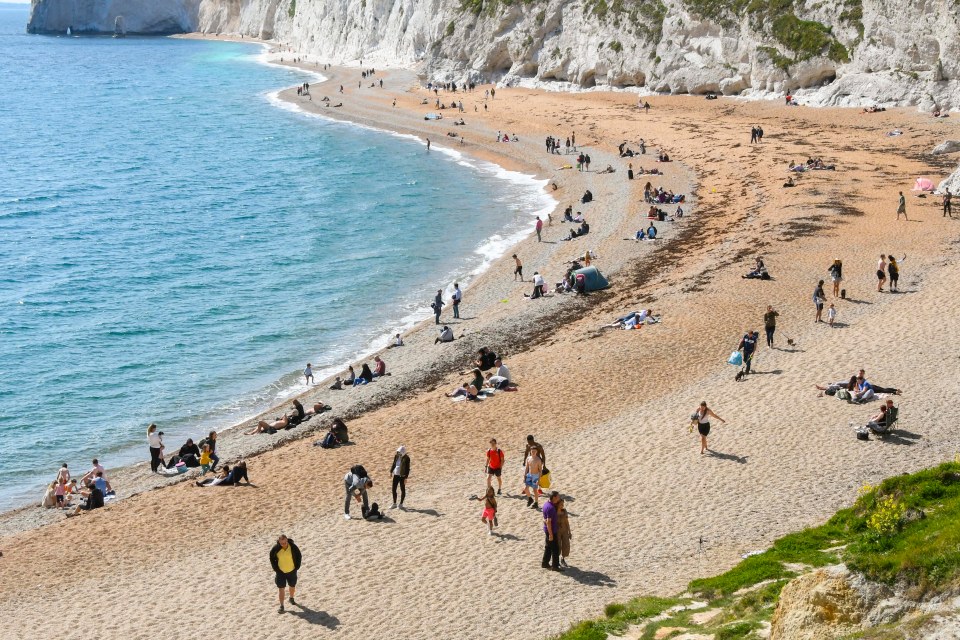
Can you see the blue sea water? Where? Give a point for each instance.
(174, 247)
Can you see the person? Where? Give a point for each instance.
(94, 500)
(351, 376)
(770, 324)
(356, 486)
(894, 270)
(753, 134)
(486, 359)
(864, 391)
(214, 458)
(155, 439)
(456, 297)
(270, 427)
(428, 144)
(489, 515)
(502, 370)
(59, 494)
(538, 283)
(379, 367)
(831, 314)
(400, 470)
(228, 477)
(285, 558)
(518, 268)
(446, 335)
(881, 272)
(551, 546)
(880, 423)
(494, 466)
(563, 531)
(759, 270)
(437, 306)
(902, 207)
(308, 374)
(630, 171)
(63, 473)
(748, 345)
(532, 470)
(702, 417)
(101, 483)
(818, 298)
(89, 475)
(366, 375)
(49, 500)
(947, 209)
(836, 275)
(651, 232)
(397, 342)
(539, 228)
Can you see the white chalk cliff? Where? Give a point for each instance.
(836, 52)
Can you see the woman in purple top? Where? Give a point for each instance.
(551, 548)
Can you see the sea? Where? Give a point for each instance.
(176, 245)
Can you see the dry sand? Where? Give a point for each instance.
(610, 407)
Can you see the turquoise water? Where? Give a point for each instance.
(174, 247)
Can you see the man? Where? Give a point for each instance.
(486, 359)
(457, 297)
(537, 285)
(400, 470)
(531, 445)
(502, 369)
(437, 306)
(90, 475)
(753, 134)
(748, 344)
(446, 335)
(285, 560)
(356, 485)
(495, 465)
(532, 469)
(770, 324)
(947, 209)
(539, 228)
(551, 546)
(518, 268)
(101, 483)
(902, 207)
(94, 499)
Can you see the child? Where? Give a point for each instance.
(831, 314)
(489, 516)
(205, 460)
(308, 374)
(60, 492)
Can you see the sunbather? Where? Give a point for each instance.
(270, 427)
(232, 477)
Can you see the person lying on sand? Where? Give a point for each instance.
(633, 319)
(466, 389)
(318, 408)
(609, 169)
(228, 477)
(270, 427)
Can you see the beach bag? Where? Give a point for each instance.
(736, 359)
(862, 434)
(545, 479)
(359, 471)
(843, 394)
(831, 392)
(329, 441)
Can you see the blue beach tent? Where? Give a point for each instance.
(593, 279)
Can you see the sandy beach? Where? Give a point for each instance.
(610, 407)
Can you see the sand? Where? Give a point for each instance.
(610, 407)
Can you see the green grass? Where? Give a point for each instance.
(292, 9)
(922, 552)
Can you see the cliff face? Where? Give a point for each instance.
(101, 16)
(847, 52)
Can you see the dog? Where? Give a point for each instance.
(739, 375)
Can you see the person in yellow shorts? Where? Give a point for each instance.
(285, 560)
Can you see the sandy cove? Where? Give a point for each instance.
(610, 407)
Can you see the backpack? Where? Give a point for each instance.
(329, 441)
(843, 394)
(359, 471)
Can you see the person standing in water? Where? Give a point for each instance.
(285, 559)
(308, 374)
(702, 416)
(428, 144)
(902, 207)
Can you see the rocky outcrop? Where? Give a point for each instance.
(829, 52)
(947, 146)
(101, 16)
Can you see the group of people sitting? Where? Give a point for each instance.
(659, 195)
(856, 390)
(812, 164)
(582, 230)
(367, 375)
(288, 420)
(91, 492)
(627, 152)
(874, 109)
(496, 378)
(649, 234)
(759, 271)
(633, 320)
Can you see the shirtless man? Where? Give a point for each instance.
(532, 468)
(518, 270)
(264, 427)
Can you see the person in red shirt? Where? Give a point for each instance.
(494, 465)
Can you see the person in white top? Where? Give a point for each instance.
(881, 272)
(155, 439)
(538, 283)
(308, 374)
(457, 297)
(502, 369)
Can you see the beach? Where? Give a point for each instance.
(611, 407)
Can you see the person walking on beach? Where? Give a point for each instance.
(489, 514)
(836, 276)
(517, 269)
(753, 134)
(831, 314)
(400, 469)
(456, 298)
(532, 468)
(702, 416)
(551, 545)
(494, 466)
(947, 209)
(894, 270)
(308, 374)
(539, 228)
(356, 483)
(770, 324)
(881, 272)
(285, 559)
(818, 299)
(437, 306)
(748, 345)
(902, 207)
(563, 531)
(155, 439)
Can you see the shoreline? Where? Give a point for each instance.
(485, 158)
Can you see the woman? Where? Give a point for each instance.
(894, 269)
(489, 514)
(212, 441)
(836, 275)
(351, 376)
(189, 454)
(630, 171)
(702, 416)
(818, 299)
(400, 470)
(156, 447)
(881, 272)
(365, 374)
(563, 531)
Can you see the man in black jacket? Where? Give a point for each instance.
(285, 560)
